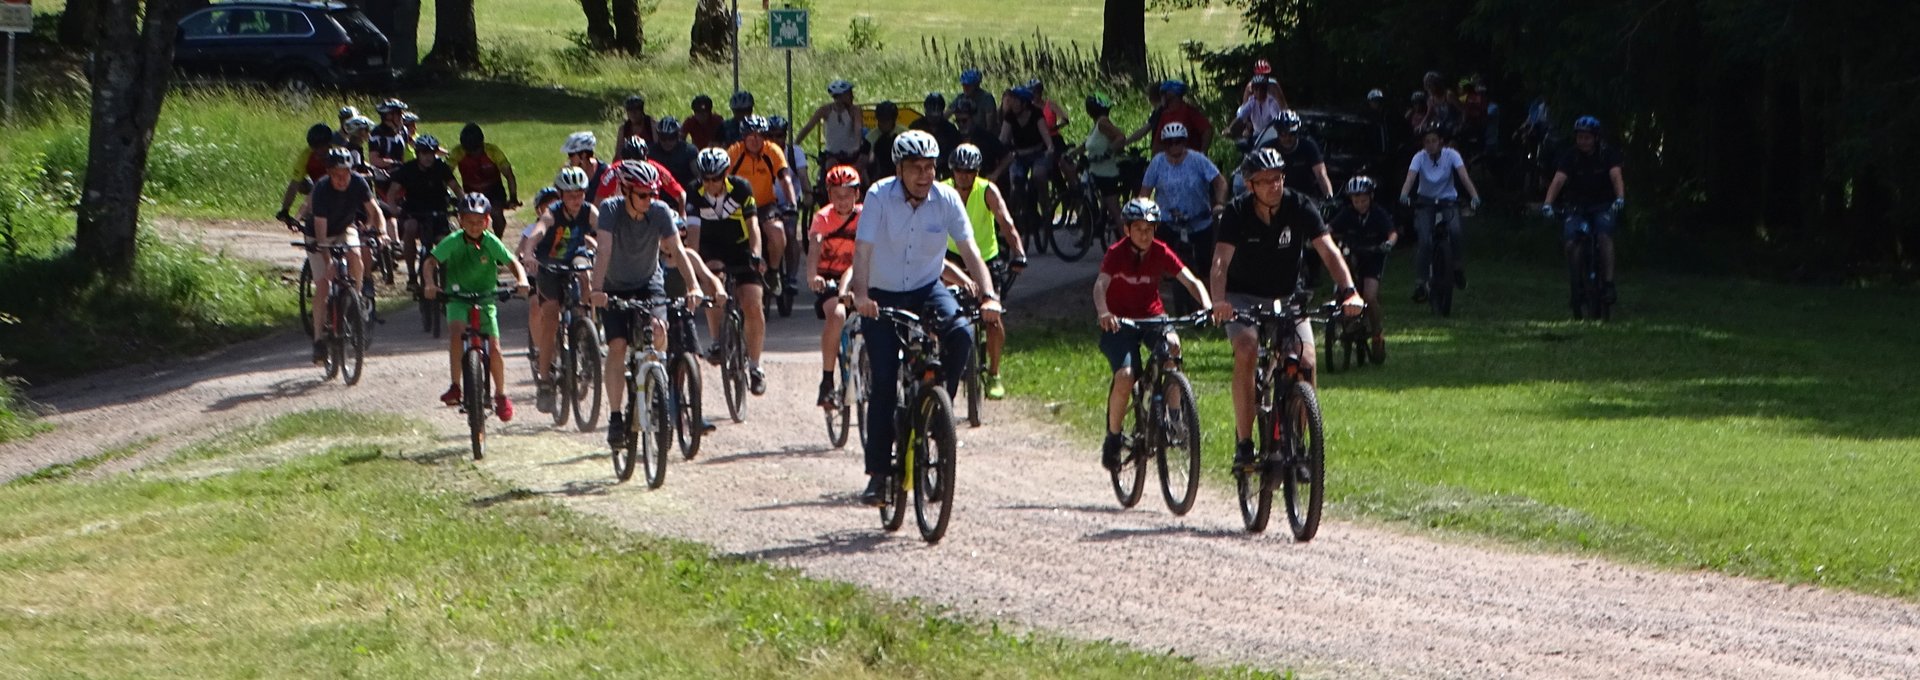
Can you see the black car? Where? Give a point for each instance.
(1351, 145)
(298, 46)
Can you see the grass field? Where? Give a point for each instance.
(286, 551)
(1752, 429)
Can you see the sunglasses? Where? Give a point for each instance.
(642, 194)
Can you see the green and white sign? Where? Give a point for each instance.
(787, 29)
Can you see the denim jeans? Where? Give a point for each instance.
(883, 360)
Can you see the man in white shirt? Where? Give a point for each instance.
(1259, 110)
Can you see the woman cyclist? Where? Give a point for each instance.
(1433, 170)
(1129, 288)
(1368, 231)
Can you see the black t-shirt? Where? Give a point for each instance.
(1267, 255)
(1588, 183)
(1300, 162)
(1362, 232)
(680, 162)
(339, 206)
(390, 143)
(426, 187)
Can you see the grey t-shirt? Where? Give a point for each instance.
(633, 245)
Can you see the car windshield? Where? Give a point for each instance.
(1346, 137)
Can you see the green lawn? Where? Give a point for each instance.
(1753, 429)
(288, 551)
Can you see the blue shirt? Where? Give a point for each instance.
(910, 244)
(1186, 188)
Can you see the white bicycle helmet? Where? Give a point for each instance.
(475, 204)
(967, 157)
(915, 144)
(579, 142)
(357, 125)
(347, 112)
(1262, 160)
(754, 125)
(839, 87)
(637, 173)
(1173, 131)
(571, 179)
(1360, 184)
(713, 161)
(1140, 209)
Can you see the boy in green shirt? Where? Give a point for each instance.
(473, 257)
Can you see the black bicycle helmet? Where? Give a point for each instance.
(934, 103)
(635, 102)
(633, 149)
(700, 100)
(472, 137)
(886, 109)
(741, 101)
(319, 136)
(1262, 160)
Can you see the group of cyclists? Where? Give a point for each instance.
(908, 218)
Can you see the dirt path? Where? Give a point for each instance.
(1038, 539)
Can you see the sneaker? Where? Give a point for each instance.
(616, 430)
(451, 397)
(1243, 456)
(1460, 279)
(756, 381)
(319, 352)
(995, 390)
(825, 399)
(1110, 451)
(543, 399)
(707, 426)
(875, 495)
(1420, 294)
(503, 407)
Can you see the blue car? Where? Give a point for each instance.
(297, 46)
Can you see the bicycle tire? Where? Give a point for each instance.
(564, 372)
(625, 457)
(353, 343)
(306, 298)
(974, 387)
(784, 301)
(1130, 479)
(839, 421)
(933, 476)
(590, 382)
(1075, 237)
(1254, 487)
(1307, 448)
(686, 405)
(473, 396)
(335, 351)
(862, 378)
(1178, 448)
(734, 369)
(657, 437)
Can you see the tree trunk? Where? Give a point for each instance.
(627, 35)
(599, 24)
(77, 23)
(1123, 42)
(712, 31)
(130, 74)
(456, 42)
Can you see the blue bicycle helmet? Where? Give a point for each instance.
(1288, 122)
(1587, 124)
(970, 77)
(1173, 87)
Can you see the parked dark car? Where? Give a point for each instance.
(1352, 145)
(298, 46)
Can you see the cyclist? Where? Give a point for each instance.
(764, 166)
(986, 111)
(1434, 169)
(421, 188)
(1257, 112)
(483, 167)
(1129, 288)
(1264, 237)
(1024, 131)
(633, 229)
(1052, 111)
(1370, 234)
(897, 263)
(987, 212)
(670, 149)
(638, 123)
(338, 198)
(412, 121)
(565, 228)
(1262, 69)
(308, 168)
(354, 135)
(473, 257)
(579, 149)
(777, 128)
(831, 261)
(1175, 109)
(1588, 178)
(934, 122)
(390, 145)
(1443, 110)
(742, 105)
(723, 221)
(1191, 193)
(1306, 166)
(703, 125)
(345, 114)
(995, 159)
(1101, 151)
(671, 191)
(840, 121)
(886, 127)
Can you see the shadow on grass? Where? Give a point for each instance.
(509, 102)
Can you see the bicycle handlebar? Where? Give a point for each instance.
(1195, 319)
(331, 247)
(568, 268)
(625, 304)
(502, 295)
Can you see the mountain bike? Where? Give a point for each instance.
(683, 375)
(732, 358)
(922, 461)
(1289, 443)
(1166, 424)
(847, 409)
(1439, 274)
(346, 324)
(1588, 287)
(1080, 220)
(978, 365)
(433, 226)
(476, 367)
(576, 366)
(649, 410)
(1348, 337)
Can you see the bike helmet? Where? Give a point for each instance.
(1288, 122)
(839, 87)
(546, 196)
(339, 157)
(1587, 124)
(1261, 67)
(1261, 81)
(1098, 105)
(391, 105)
(777, 124)
(635, 101)
(633, 149)
(668, 126)
(752, 125)
(713, 161)
(970, 77)
(1360, 184)
(472, 137)
(1375, 94)
(934, 103)
(700, 100)
(1443, 131)
(966, 157)
(637, 173)
(475, 204)
(1021, 93)
(1140, 209)
(357, 125)
(1173, 87)
(915, 144)
(843, 176)
(1173, 131)
(319, 136)
(886, 110)
(1037, 86)
(427, 143)
(741, 101)
(570, 179)
(1262, 160)
(348, 112)
(409, 117)
(579, 142)
(1419, 98)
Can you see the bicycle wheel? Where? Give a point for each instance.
(473, 382)
(1177, 444)
(1304, 448)
(733, 371)
(589, 382)
(336, 324)
(686, 405)
(1075, 234)
(353, 341)
(564, 373)
(1130, 479)
(1255, 486)
(624, 454)
(862, 377)
(933, 471)
(839, 421)
(306, 299)
(974, 388)
(1332, 347)
(1440, 280)
(656, 435)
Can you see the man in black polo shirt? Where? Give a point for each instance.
(1261, 243)
(1588, 178)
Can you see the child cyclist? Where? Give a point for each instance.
(831, 261)
(1368, 231)
(1129, 288)
(472, 257)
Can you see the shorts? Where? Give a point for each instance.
(735, 263)
(830, 296)
(317, 259)
(551, 286)
(1596, 218)
(1302, 329)
(1369, 266)
(489, 315)
(1122, 347)
(1108, 186)
(619, 324)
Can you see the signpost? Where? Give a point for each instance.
(787, 30)
(16, 17)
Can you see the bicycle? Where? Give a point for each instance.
(1289, 443)
(848, 400)
(922, 461)
(476, 368)
(683, 374)
(433, 226)
(1082, 218)
(649, 429)
(732, 358)
(1349, 336)
(1439, 274)
(1032, 209)
(978, 366)
(579, 357)
(346, 330)
(1164, 419)
(1589, 290)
